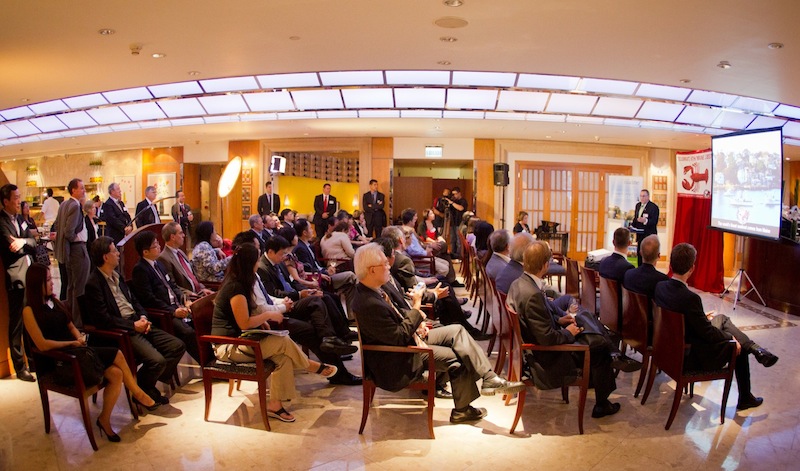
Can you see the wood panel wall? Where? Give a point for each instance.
(232, 217)
(382, 163)
(161, 160)
(484, 163)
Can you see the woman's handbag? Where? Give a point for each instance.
(91, 367)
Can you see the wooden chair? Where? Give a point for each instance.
(556, 269)
(483, 293)
(637, 329)
(610, 306)
(424, 265)
(668, 355)
(589, 289)
(505, 337)
(582, 382)
(572, 286)
(369, 387)
(259, 371)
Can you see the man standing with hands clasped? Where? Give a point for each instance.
(373, 202)
(645, 220)
(324, 208)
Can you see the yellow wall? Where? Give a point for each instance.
(301, 192)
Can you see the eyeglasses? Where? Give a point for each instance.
(384, 264)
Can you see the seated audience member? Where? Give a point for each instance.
(177, 264)
(270, 226)
(235, 311)
(257, 228)
(513, 270)
(90, 221)
(498, 242)
(645, 278)
(427, 230)
(482, 232)
(336, 244)
(50, 327)
(615, 265)
(110, 305)
(457, 354)
(358, 228)
(469, 227)
(414, 248)
(542, 323)
(708, 333)
(154, 288)
(448, 308)
(208, 259)
(522, 223)
(287, 217)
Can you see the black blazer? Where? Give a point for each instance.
(99, 308)
(91, 235)
(305, 255)
(15, 263)
(614, 267)
(318, 208)
(262, 243)
(269, 276)
(150, 290)
(116, 220)
(651, 209)
(643, 279)
(146, 217)
(510, 274)
(181, 217)
(373, 211)
(379, 324)
(403, 270)
(265, 208)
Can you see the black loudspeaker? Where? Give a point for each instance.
(501, 174)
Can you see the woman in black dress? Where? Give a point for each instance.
(522, 223)
(50, 327)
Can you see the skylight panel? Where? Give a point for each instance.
(698, 115)
(175, 89)
(128, 94)
(457, 114)
(792, 129)
(108, 115)
(733, 120)
(47, 107)
(288, 80)
(546, 118)
(223, 104)
(419, 97)
(468, 99)
(23, 128)
(570, 103)
(508, 116)
(379, 113)
(615, 87)
(788, 111)
(484, 79)
(338, 79)
(337, 114)
(368, 98)
(417, 77)
(662, 92)
(231, 84)
(763, 122)
(77, 119)
(186, 121)
(16, 113)
(711, 98)
(659, 111)
(143, 111)
(622, 107)
(554, 82)
(522, 101)
(754, 104)
(317, 99)
(269, 101)
(86, 101)
(297, 115)
(182, 107)
(48, 124)
(259, 117)
(420, 114)
(6, 133)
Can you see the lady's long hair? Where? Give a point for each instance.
(35, 288)
(240, 270)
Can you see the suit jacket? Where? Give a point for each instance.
(510, 273)
(15, 263)
(170, 263)
(403, 270)
(69, 223)
(91, 234)
(116, 220)
(651, 209)
(305, 255)
(181, 217)
(150, 290)
(614, 267)
(373, 211)
(146, 217)
(99, 308)
(262, 242)
(318, 208)
(265, 208)
(643, 279)
(708, 342)
(494, 266)
(269, 276)
(379, 324)
(538, 325)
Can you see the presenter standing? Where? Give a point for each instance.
(645, 219)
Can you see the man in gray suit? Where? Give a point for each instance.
(70, 246)
(177, 264)
(16, 247)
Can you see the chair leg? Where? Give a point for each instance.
(726, 390)
(676, 401)
(230, 387)
(368, 393)
(87, 422)
(45, 408)
(520, 405)
(431, 405)
(207, 386)
(581, 408)
(500, 364)
(646, 359)
(651, 375)
(262, 402)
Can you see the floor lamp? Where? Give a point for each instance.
(230, 175)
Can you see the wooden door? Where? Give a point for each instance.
(411, 192)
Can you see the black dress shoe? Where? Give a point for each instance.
(478, 335)
(471, 414)
(628, 365)
(467, 314)
(337, 346)
(609, 408)
(749, 402)
(163, 400)
(457, 284)
(346, 357)
(345, 378)
(764, 357)
(441, 393)
(25, 375)
(496, 385)
(463, 301)
(350, 336)
(150, 408)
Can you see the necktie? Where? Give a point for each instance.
(188, 271)
(374, 197)
(286, 285)
(324, 204)
(121, 205)
(263, 290)
(269, 201)
(163, 278)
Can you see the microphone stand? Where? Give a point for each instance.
(149, 207)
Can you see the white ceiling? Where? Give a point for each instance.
(51, 50)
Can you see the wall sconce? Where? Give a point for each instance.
(355, 201)
(286, 201)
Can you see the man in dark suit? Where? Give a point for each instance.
(146, 210)
(269, 202)
(257, 228)
(70, 245)
(177, 264)
(182, 212)
(116, 216)
(513, 270)
(154, 288)
(615, 265)
(645, 219)
(374, 214)
(324, 208)
(108, 304)
(455, 352)
(498, 241)
(706, 332)
(645, 278)
(16, 248)
(542, 323)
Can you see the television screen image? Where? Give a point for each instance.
(747, 171)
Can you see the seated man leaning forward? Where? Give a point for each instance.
(706, 332)
(541, 322)
(455, 352)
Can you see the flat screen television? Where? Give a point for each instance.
(747, 169)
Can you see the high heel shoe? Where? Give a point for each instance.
(112, 438)
(150, 408)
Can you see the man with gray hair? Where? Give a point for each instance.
(257, 227)
(513, 270)
(455, 352)
(146, 210)
(498, 241)
(645, 278)
(115, 214)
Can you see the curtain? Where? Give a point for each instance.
(692, 218)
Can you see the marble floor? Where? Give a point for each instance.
(325, 436)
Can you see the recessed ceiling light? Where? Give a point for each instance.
(451, 22)
(775, 45)
(686, 80)
(724, 65)
(106, 32)
(193, 73)
(158, 55)
(448, 39)
(444, 62)
(25, 100)
(453, 3)
(294, 38)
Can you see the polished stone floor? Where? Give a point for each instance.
(325, 435)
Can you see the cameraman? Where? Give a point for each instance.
(457, 207)
(440, 208)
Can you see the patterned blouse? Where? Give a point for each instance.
(207, 266)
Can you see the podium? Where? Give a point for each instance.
(128, 257)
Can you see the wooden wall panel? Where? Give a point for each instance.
(159, 160)
(484, 163)
(382, 163)
(232, 216)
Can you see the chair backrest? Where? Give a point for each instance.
(127, 249)
(668, 341)
(610, 306)
(513, 322)
(636, 315)
(589, 289)
(572, 286)
(202, 316)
